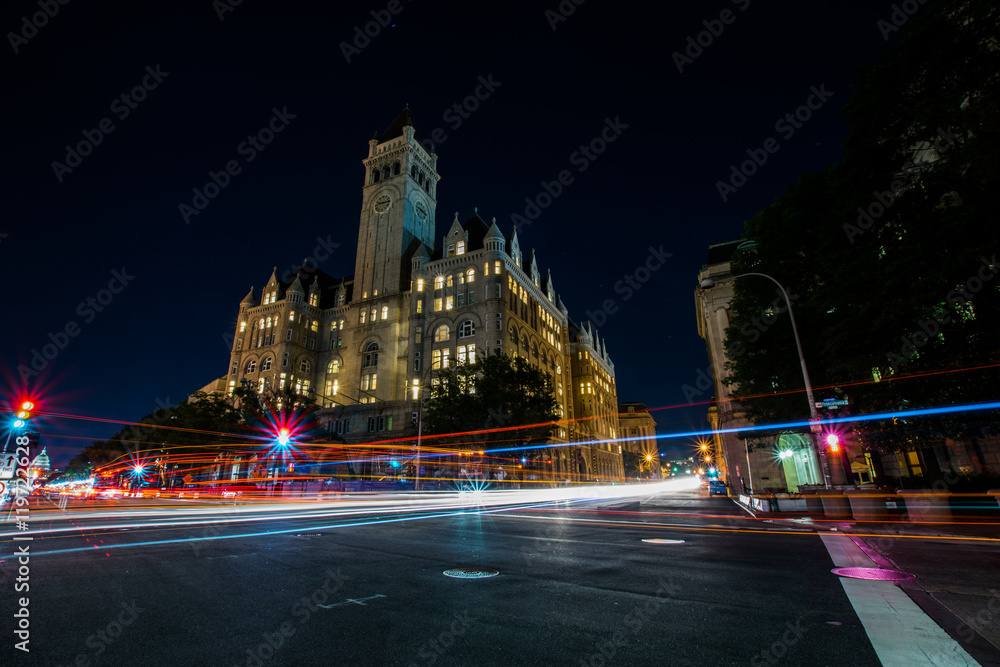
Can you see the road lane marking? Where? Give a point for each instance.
(899, 631)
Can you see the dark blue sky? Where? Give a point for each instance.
(210, 83)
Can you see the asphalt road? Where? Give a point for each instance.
(576, 586)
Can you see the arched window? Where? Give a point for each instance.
(269, 323)
(305, 366)
(420, 178)
(376, 176)
(413, 171)
(470, 276)
(466, 329)
(450, 281)
(545, 359)
(251, 367)
(439, 282)
(534, 349)
(513, 334)
(385, 312)
(262, 323)
(333, 367)
(374, 313)
(524, 341)
(371, 355)
(442, 333)
(395, 168)
(266, 364)
(385, 172)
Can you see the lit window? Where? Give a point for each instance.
(461, 279)
(470, 276)
(460, 248)
(250, 367)
(243, 327)
(333, 366)
(235, 367)
(363, 315)
(305, 366)
(420, 306)
(341, 324)
(496, 267)
(439, 282)
(436, 359)
(261, 323)
(340, 300)
(444, 357)
(291, 316)
(449, 302)
(467, 353)
(269, 322)
(442, 333)
(420, 284)
(266, 364)
(315, 325)
(374, 313)
(232, 386)
(437, 304)
(450, 281)
(466, 328)
(417, 336)
(451, 250)
(374, 381)
(416, 389)
(385, 312)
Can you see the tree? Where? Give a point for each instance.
(497, 392)
(891, 275)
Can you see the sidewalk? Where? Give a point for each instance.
(956, 566)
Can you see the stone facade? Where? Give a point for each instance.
(638, 429)
(365, 346)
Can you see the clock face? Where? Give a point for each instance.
(382, 203)
(421, 212)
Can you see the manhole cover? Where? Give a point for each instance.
(873, 573)
(470, 573)
(663, 540)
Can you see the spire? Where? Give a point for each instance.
(249, 299)
(314, 289)
(296, 287)
(404, 119)
(604, 350)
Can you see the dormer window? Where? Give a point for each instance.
(460, 248)
(451, 250)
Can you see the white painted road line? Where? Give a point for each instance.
(900, 632)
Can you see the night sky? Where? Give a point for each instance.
(110, 220)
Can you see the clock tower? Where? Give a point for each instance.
(397, 209)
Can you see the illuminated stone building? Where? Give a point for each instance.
(638, 433)
(364, 346)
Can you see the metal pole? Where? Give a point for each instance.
(813, 414)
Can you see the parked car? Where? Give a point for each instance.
(717, 488)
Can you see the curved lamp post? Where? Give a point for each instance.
(708, 283)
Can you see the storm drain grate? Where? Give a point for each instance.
(873, 573)
(470, 573)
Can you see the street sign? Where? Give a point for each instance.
(3, 488)
(832, 403)
(815, 426)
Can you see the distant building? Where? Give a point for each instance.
(638, 432)
(366, 345)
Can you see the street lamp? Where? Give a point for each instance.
(708, 283)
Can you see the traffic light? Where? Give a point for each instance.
(833, 440)
(23, 414)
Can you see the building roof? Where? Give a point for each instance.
(720, 253)
(396, 128)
